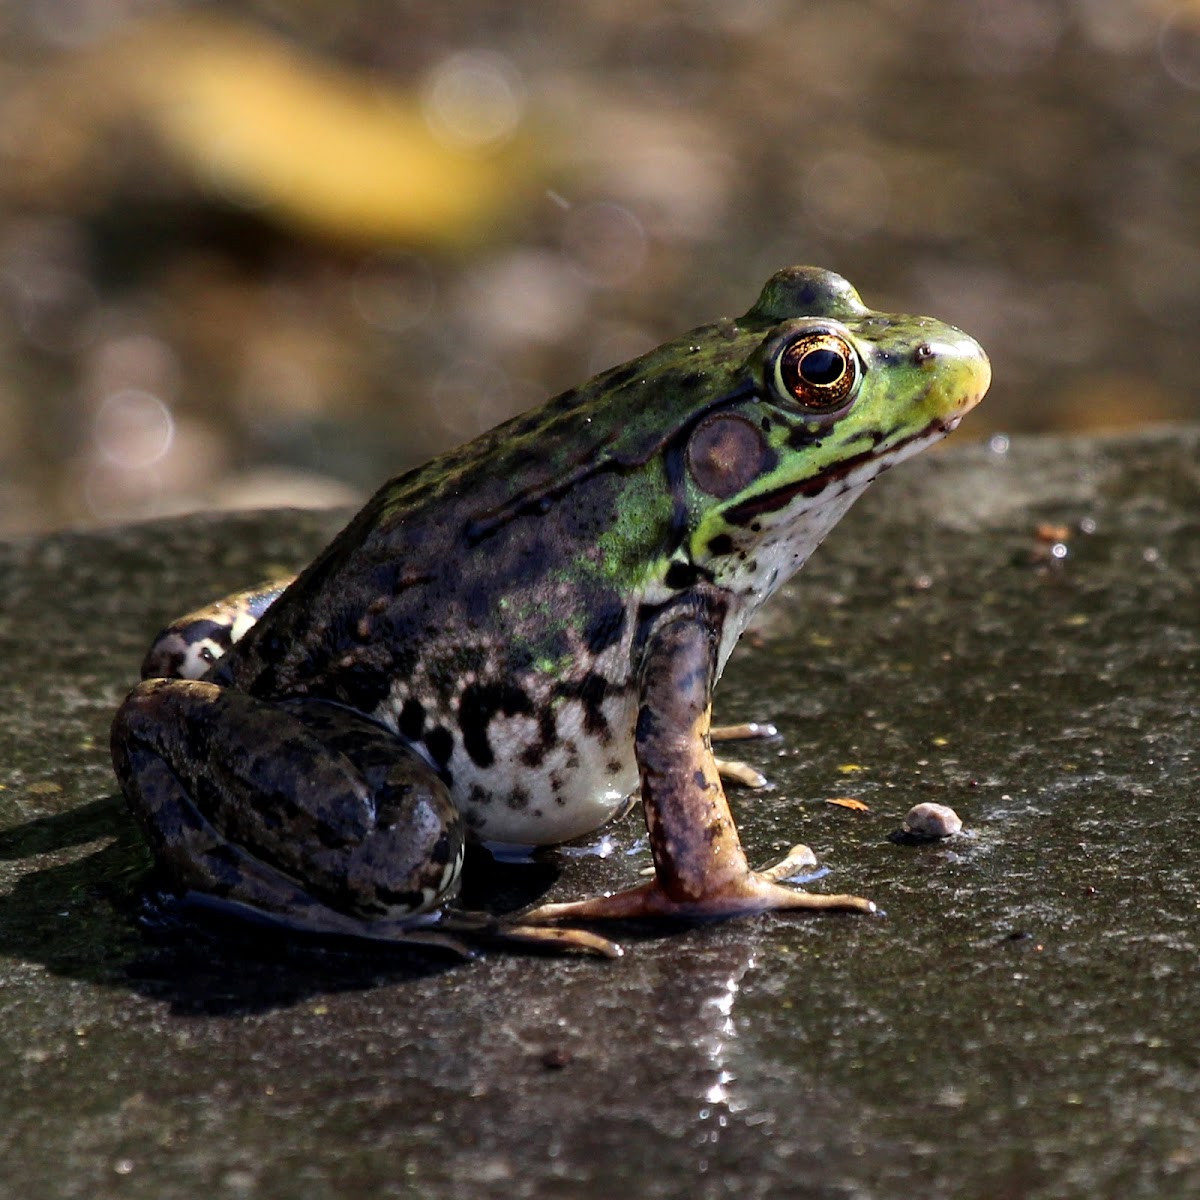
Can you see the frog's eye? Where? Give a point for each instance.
(818, 370)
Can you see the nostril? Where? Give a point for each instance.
(923, 353)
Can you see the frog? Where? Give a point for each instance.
(513, 642)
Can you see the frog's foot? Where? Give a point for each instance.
(463, 933)
(492, 931)
(733, 769)
(756, 891)
(454, 930)
(799, 860)
(736, 771)
(742, 733)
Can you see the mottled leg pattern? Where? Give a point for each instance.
(700, 867)
(255, 801)
(190, 645)
(301, 811)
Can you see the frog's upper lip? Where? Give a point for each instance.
(772, 501)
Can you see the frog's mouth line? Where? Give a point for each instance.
(773, 501)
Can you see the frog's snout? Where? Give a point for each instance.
(967, 374)
(980, 372)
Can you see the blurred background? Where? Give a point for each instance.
(276, 251)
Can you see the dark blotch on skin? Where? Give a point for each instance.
(681, 575)
(621, 376)
(800, 438)
(412, 719)
(534, 754)
(590, 692)
(225, 869)
(363, 687)
(605, 629)
(720, 544)
(479, 704)
(648, 725)
(439, 741)
(548, 728)
(674, 465)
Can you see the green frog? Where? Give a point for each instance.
(509, 642)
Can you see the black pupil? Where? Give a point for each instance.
(822, 367)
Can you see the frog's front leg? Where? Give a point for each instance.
(187, 647)
(700, 867)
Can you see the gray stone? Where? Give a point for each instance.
(1023, 1021)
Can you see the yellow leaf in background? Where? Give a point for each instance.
(340, 153)
(343, 154)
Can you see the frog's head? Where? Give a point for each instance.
(830, 395)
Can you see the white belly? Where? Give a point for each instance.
(580, 784)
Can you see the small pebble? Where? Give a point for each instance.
(932, 821)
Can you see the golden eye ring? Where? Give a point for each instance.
(819, 371)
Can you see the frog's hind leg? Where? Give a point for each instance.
(304, 810)
(187, 647)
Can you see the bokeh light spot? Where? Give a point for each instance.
(473, 100)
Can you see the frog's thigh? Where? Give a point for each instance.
(192, 643)
(285, 806)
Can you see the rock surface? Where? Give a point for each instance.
(1022, 1022)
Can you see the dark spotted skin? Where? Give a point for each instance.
(326, 800)
(483, 649)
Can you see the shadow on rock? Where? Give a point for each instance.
(104, 916)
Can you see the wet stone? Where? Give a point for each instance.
(931, 822)
(148, 1057)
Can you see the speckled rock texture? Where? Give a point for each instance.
(1011, 630)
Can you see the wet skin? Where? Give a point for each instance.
(509, 641)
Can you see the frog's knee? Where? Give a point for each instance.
(141, 726)
(153, 702)
(146, 766)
